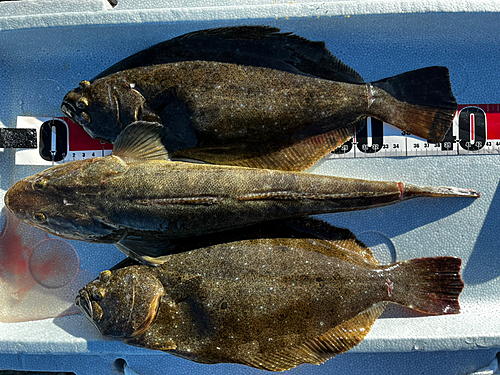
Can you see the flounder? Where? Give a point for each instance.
(269, 303)
(139, 200)
(280, 110)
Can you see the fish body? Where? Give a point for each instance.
(262, 116)
(271, 303)
(138, 199)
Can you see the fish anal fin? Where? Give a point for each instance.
(141, 140)
(336, 341)
(296, 157)
(301, 155)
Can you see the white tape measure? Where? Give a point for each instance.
(475, 130)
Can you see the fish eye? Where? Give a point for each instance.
(82, 103)
(105, 275)
(84, 84)
(40, 184)
(40, 217)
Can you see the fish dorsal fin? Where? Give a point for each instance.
(336, 341)
(262, 46)
(340, 241)
(141, 140)
(233, 32)
(296, 157)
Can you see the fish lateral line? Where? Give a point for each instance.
(287, 195)
(205, 201)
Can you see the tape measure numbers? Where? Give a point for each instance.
(59, 140)
(475, 131)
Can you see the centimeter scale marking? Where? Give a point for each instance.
(475, 131)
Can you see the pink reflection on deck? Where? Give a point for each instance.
(39, 276)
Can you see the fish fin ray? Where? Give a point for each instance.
(336, 341)
(340, 239)
(301, 155)
(296, 157)
(434, 286)
(151, 342)
(257, 45)
(149, 251)
(141, 140)
(428, 105)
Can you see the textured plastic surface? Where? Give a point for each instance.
(54, 45)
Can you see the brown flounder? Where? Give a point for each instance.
(139, 200)
(278, 114)
(270, 303)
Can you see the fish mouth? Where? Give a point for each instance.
(19, 199)
(82, 301)
(76, 115)
(68, 109)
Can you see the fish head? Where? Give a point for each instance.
(104, 107)
(59, 199)
(122, 303)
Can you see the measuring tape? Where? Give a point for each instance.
(475, 131)
(59, 140)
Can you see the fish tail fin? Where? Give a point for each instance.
(429, 285)
(424, 102)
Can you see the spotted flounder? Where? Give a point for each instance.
(269, 303)
(139, 200)
(280, 111)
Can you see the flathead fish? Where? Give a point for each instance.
(138, 199)
(263, 115)
(271, 303)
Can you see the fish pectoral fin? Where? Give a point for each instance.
(141, 141)
(152, 251)
(185, 288)
(319, 349)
